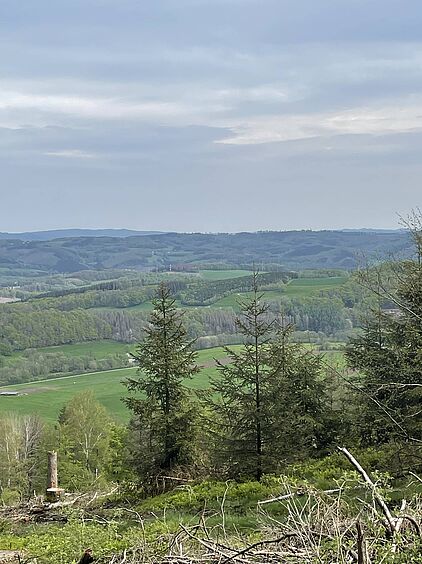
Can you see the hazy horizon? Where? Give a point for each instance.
(164, 231)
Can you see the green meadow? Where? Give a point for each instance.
(95, 349)
(298, 287)
(308, 286)
(47, 397)
(99, 349)
(223, 274)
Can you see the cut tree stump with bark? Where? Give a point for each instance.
(363, 557)
(53, 492)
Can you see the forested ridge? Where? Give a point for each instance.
(272, 249)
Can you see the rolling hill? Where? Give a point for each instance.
(289, 249)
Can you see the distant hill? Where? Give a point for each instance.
(66, 233)
(289, 249)
(369, 230)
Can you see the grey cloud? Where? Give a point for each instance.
(107, 107)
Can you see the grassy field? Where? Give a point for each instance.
(308, 286)
(299, 287)
(47, 397)
(223, 274)
(97, 349)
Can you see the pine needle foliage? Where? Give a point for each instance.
(164, 415)
(269, 400)
(388, 353)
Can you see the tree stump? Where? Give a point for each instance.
(53, 492)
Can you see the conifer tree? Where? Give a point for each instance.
(303, 422)
(243, 387)
(164, 417)
(388, 353)
(269, 400)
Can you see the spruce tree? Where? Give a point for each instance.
(388, 352)
(164, 415)
(242, 388)
(304, 425)
(269, 399)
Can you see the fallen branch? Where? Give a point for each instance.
(260, 543)
(293, 494)
(391, 521)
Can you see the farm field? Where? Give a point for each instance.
(46, 397)
(99, 349)
(307, 286)
(223, 274)
(96, 349)
(298, 287)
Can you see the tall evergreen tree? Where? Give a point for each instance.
(164, 417)
(242, 388)
(268, 398)
(304, 425)
(388, 353)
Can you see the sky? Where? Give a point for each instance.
(209, 115)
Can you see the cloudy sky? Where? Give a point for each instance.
(209, 115)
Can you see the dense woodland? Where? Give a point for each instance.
(269, 423)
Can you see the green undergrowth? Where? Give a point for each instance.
(65, 544)
(226, 509)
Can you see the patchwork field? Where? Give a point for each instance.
(298, 287)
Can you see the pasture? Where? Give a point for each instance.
(296, 288)
(212, 275)
(46, 397)
(299, 287)
(96, 349)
